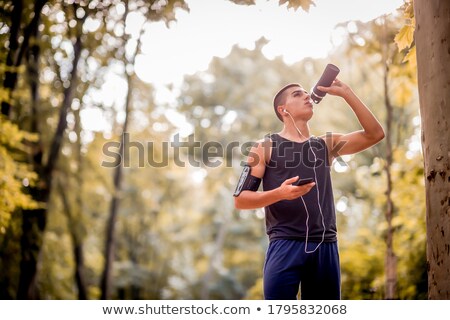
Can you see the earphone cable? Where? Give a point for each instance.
(317, 193)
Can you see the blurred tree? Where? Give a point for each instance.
(376, 38)
(152, 11)
(105, 285)
(23, 24)
(60, 58)
(426, 30)
(432, 38)
(176, 234)
(73, 204)
(15, 174)
(34, 221)
(228, 106)
(93, 69)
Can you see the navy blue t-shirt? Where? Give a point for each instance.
(286, 219)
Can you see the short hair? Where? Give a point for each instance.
(280, 98)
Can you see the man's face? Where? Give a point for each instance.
(298, 102)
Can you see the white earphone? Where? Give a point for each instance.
(318, 194)
(320, 207)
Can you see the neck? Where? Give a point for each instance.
(290, 131)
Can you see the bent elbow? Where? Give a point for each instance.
(380, 135)
(237, 203)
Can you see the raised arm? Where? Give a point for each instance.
(372, 131)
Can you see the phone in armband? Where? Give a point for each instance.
(301, 182)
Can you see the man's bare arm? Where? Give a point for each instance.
(372, 131)
(257, 199)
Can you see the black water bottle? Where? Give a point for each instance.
(329, 74)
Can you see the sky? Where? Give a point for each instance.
(213, 27)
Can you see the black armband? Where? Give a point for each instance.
(247, 181)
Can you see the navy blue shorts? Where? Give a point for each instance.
(288, 267)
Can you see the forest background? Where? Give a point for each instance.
(162, 225)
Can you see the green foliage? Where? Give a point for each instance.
(373, 43)
(14, 174)
(178, 235)
(362, 254)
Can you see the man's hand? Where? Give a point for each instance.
(337, 88)
(289, 192)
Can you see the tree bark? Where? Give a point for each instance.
(78, 249)
(62, 123)
(432, 37)
(34, 221)
(106, 284)
(11, 75)
(391, 259)
(218, 248)
(110, 235)
(16, 51)
(78, 252)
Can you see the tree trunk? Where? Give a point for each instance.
(110, 236)
(78, 248)
(77, 245)
(432, 38)
(34, 221)
(219, 243)
(218, 248)
(391, 259)
(131, 237)
(16, 52)
(62, 123)
(106, 284)
(11, 75)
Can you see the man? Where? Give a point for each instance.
(301, 220)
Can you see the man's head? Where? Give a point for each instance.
(291, 96)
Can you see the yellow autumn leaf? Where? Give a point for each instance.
(404, 37)
(4, 94)
(411, 57)
(408, 11)
(295, 4)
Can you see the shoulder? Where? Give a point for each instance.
(330, 139)
(261, 149)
